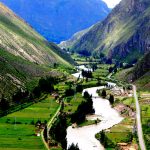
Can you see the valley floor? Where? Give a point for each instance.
(18, 131)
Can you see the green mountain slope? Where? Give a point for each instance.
(123, 33)
(24, 54)
(69, 43)
(141, 72)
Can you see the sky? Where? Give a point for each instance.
(111, 3)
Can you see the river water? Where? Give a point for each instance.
(85, 136)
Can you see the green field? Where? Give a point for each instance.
(120, 133)
(145, 115)
(72, 103)
(17, 131)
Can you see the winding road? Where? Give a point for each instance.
(138, 121)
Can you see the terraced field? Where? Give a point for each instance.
(17, 130)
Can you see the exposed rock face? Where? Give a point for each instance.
(126, 31)
(19, 39)
(24, 54)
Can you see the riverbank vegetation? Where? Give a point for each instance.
(86, 107)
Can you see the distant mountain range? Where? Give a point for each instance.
(124, 35)
(24, 54)
(58, 20)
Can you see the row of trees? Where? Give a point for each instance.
(58, 130)
(111, 97)
(86, 74)
(45, 85)
(83, 109)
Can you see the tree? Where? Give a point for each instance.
(86, 74)
(104, 93)
(4, 104)
(79, 88)
(37, 92)
(109, 61)
(115, 70)
(110, 69)
(94, 67)
(58, 130)
(69, 92)
(73, 147)
(111, 99)
(102, 55)
(45, 134)
(86, 107)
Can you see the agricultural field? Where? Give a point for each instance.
(122, 132)
(72, 103)
(17, 130)
(144, 99)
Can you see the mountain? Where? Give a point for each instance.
(24, 54)
(123, 35)
(58, 20)
(69, 43)
(141, 72)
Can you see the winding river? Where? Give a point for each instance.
(85, 136)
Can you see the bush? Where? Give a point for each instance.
(111, 99)
(73, 147)
(103, 93)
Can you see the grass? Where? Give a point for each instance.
(145, 112)
(120, 133)
(90, 83)
(21, 135)
(87, 123)
(73, 103)
(26, 55)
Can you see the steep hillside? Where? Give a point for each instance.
(124, 34)
(69, 43)
(141, 72)
(58, 20)
(24, 54)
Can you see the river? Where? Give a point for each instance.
(85, 136)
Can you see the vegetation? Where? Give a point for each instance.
(73, 147)
(45, 85)
(83, 109)
(18, 129)
(88, 122)
(25, 56)
(145, 112)
(58, 130)
(103, 93)
(111, 99)
(115, 42)
(120, 133)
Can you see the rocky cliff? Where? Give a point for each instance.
(124, 34)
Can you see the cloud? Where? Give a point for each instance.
(111, 3)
